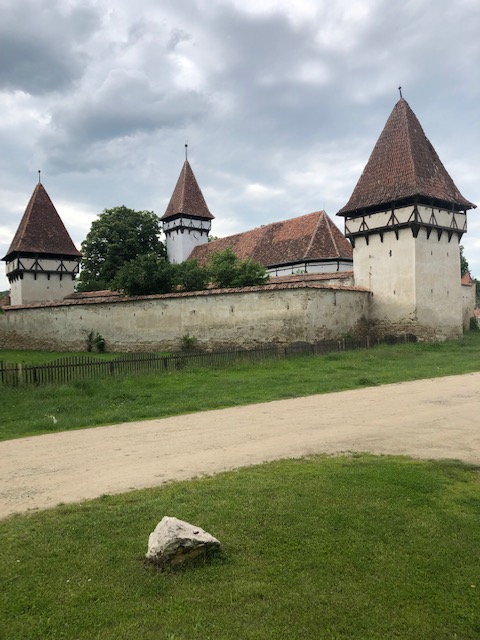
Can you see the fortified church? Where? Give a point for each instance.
(395, 271)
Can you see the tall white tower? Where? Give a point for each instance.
(187, 220)
(405, 219)
(42, 261)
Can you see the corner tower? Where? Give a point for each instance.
(405, 219)
(42, 261)
(187, 220)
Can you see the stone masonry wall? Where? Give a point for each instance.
(240, 317)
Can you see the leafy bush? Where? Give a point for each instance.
(189, 342)
(227, 270)
(190, 276)
(145, 275)
(148, 274)
(95, 341)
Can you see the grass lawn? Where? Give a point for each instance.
(34, 410)
(333, 548)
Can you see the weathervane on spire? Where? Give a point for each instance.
(39, 176)
(400, 89)
(186, 151)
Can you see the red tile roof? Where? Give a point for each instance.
(41, 230)
(467, 278)
(187, 197)
(310, 237)
(403, 166)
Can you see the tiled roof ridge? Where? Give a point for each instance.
(24, 222)
(321, 219)
(326, 226)
(261, 231)
(183, 176)
(41, 230)
(411, 156)
(332, 235)
(314, 234)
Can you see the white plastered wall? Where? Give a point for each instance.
(414, 282)
(40, 289)
(244, 318)
(180, 245)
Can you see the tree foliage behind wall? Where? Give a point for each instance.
(464, 267)
(147, 275)
(116, 237)
(123, 251)
(227, 270)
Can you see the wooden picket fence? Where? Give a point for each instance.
(81, 367)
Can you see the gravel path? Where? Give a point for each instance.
(435, 418)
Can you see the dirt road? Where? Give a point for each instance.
(436, 418)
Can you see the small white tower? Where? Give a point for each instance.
(405, 219)
(187, 220)
(42, 261)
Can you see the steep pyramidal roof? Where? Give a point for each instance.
(403, 165)
(41, 229)
(310, 237)
(187, 197)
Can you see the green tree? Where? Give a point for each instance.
(145, 275)
(116, 237)
(190, 276)
(227, 270)
(222, 266)
(463, 262)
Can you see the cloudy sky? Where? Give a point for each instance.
(281, 102)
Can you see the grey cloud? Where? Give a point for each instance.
(41, 45)
(263, 60)
(91, 131)
(177, 36)
(125, 104)
(32, 67)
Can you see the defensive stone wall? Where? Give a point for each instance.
(282, 313)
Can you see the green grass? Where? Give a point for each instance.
(31, 410)
(333, 548)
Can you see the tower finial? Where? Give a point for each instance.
(186, 151)
(400, 89)
(39, 176)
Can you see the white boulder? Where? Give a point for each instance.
(174, 542)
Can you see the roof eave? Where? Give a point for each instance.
(404, 202)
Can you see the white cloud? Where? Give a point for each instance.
(261, 191)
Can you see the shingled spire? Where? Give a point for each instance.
(403, 167)
(187, 197)
(41, 230)
(187, 220)
(42, 261)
